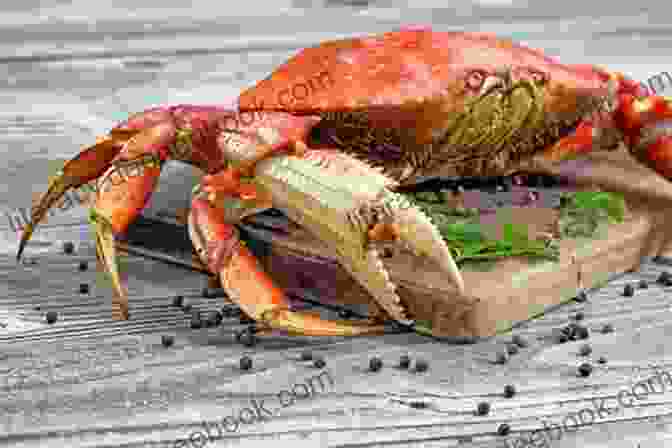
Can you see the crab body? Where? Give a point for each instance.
(330, 135)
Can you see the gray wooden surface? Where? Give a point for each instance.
(89, 381)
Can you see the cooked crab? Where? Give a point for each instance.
(373, 113)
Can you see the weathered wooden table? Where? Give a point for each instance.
(89, 381)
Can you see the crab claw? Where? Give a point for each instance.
(123, 193)
(219, 247)
(345, 202)
(87, 166)
(127, 164)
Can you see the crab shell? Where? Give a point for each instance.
(423, 82)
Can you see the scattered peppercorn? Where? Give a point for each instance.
(230, 311)
(519, 341)
(187, 308)
(306, 355)
(247, 336)
(663, 278)
(585, 350)
(643, 284)
(628, 290)
(404, 361)
(585, 369)
(581, 297)
(501, 357)
(196, 320)
(560, 336)
(245, 363)
(83, 266)
(602, 360)
(167, 341)
(51, 317)
(319, 363)
(419, 404)
(68, 247)
(504, 429)
(607, 328)
(511, 349)
(178, 301)
(579, 316)
(83, 288)
(375, 364)
(421, 365)
(582, 332)
(213, 319)
(509, 391)
(659, 259)
(483, 408)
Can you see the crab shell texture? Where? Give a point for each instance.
(414, 101)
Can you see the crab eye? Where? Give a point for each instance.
(475, 80)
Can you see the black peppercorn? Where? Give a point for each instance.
(519, 341)
(628, 290)
(602, 360)
(418, 404)
(504, 429)
(306, 355)
(83, 266)
(607, 328)
(483, 408)
(319, 363)
(582, 332)
(51, 317)
(643, 284)
(187, 307)
(404, 361)
(579, 316)
(83, 288)
(167, 341)
(509, 391)
(68, 247)
(511, 349)
(501, 357)
(375, 364)
(196, 320)
(585, 369)
(581, 297)
(247, 337)
(213, 319)
(245, 363)
(421, 365)
(663, 278)
(178, 301)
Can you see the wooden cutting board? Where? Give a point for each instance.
(511, 291)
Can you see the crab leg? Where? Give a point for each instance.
(88, 165)
(242, 277)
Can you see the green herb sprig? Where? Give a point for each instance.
(465, 237)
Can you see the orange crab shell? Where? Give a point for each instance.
(400, 76)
